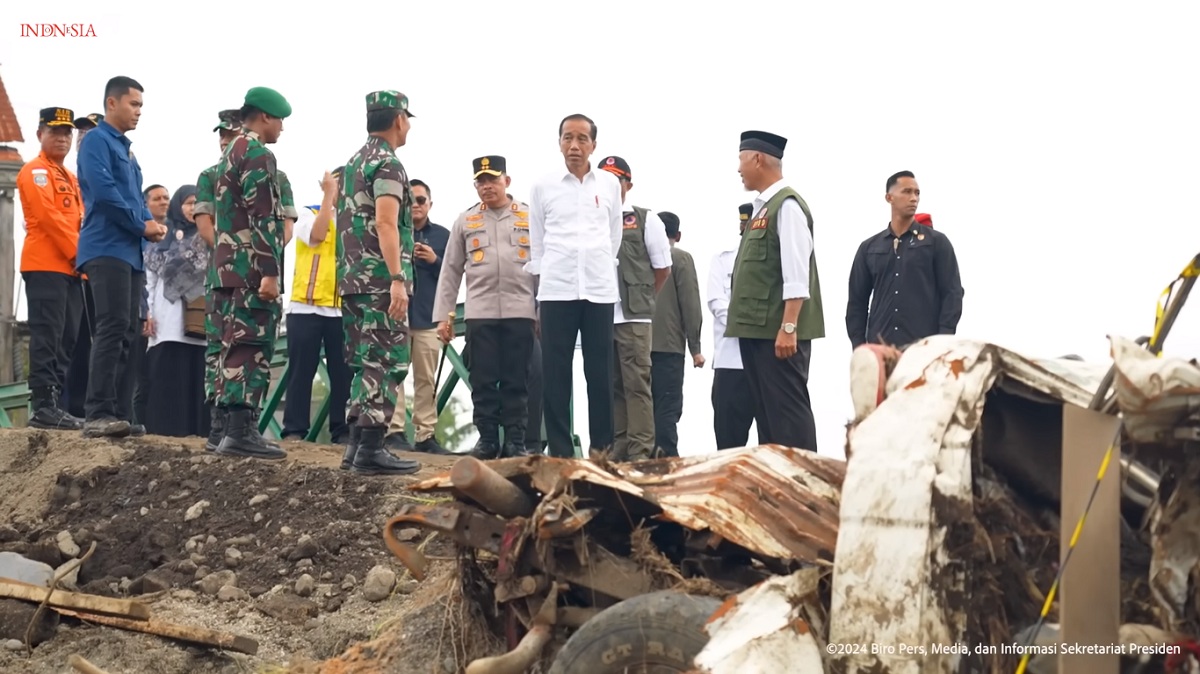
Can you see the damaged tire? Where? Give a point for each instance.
(656, 633)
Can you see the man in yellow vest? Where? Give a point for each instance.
(314, 319)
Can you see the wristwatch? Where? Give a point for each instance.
(398, 277)
(789, 328)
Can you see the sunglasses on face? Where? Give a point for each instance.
(420, 201)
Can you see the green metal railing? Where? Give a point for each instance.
(14, 398)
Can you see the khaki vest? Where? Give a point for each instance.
(756, 298)
(636, 277)
(316, 270)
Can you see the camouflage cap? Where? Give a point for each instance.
(388, 100)
(269, 101)
(231, 120)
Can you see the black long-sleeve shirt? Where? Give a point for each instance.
(912, 286)
(420, 306)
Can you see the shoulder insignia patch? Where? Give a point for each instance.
(474, 217)
(41, 179)
(515, 206)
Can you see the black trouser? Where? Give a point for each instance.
(561, 322)
(135, 380)
(534, 386)
(75, 389)
(666, 383)
(733, 408)
(782, 408)
(306, 334)
(55, 307)
(117, 291)
(499, 370)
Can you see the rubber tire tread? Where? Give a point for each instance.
(669, 617)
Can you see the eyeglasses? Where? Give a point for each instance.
(420, 200)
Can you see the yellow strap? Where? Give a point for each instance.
(1160, 311)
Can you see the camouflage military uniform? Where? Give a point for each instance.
(206, 204)
(288, 202)
(377, 345)
(249, 247)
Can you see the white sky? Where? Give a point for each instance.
(1055, 143)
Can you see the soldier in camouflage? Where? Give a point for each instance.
(229, 126)
(248, 260)
(375, 246)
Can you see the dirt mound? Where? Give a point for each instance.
(285, 553)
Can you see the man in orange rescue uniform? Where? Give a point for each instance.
(53, 208)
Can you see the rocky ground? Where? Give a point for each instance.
(289, 554)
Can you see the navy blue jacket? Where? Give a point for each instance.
(114, 211)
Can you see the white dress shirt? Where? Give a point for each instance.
(795, 243)
(659, 250)
(574, 236)
(302, 231)
(726, 354)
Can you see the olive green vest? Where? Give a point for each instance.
(756, 298)
(636, 277)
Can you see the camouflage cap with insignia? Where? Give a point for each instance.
(230, 120)
(388, 100)
(56, 117)
(89, 122)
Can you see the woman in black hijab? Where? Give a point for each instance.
(175, 270)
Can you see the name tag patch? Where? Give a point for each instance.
(758, 223)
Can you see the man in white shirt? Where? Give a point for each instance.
(733, 404)
(775, 300)
(575, 233)
(643, 265)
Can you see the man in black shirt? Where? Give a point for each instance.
(907, 274)
(430, 240)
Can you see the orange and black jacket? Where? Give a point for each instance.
(53, 207)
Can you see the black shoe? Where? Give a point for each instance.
(430, 446)
(514, 442)
(137, 430)
(488, 445)
(106, 427)
(351, 447)
(54, 419)
(372, 459)
(216, 431)
(296, 437)
(398, 442)
(255, 415)
(241, 439)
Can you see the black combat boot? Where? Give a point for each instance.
(488, 446)
(514, 442)
(48, 415)
(372, 459)
(351, 447)
(216, 431)
(241, 439)
(256, 415)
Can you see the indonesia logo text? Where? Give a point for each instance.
(58, 30)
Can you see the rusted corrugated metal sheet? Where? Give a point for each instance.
(775, 501)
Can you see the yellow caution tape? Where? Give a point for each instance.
(1160, 311)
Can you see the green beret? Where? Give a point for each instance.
(269, 101)
(388, 100)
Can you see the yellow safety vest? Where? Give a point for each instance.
(316, 270)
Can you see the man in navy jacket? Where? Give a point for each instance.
(116, 225)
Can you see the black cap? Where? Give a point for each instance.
(230, 120)
(89, 122)
(338, 171)
(617, 166)
(56, 117)
(492, 165)
(761, 141)
(745, 211)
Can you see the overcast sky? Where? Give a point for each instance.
(1055, 143)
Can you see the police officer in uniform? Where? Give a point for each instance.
(775, 301)
(489, 244)
(375, 248)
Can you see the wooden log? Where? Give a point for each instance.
(89, 603)
(188, 633)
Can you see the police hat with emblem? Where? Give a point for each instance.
(230, 120)
(89, 122)
(766, 143)
(617, 166)
(745, 211)
(492, 165)
(56, 117)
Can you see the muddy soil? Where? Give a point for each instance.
(288, 553)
